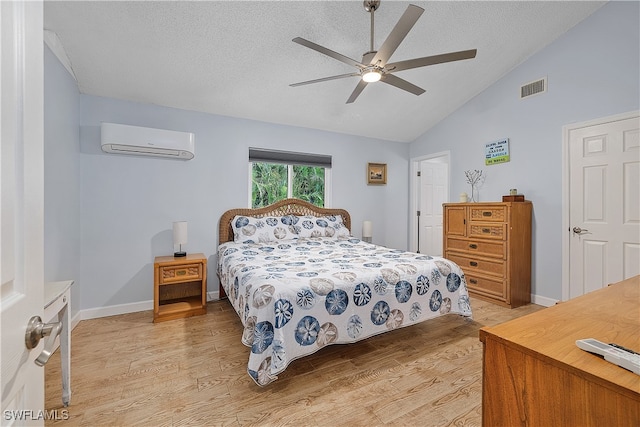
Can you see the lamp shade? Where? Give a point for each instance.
(367, 229)
(180, 232)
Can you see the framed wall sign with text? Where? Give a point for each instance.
(496, 152)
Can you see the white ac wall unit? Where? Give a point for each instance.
(141, 141)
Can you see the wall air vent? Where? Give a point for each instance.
(533, 88)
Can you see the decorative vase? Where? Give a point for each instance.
(474, 193)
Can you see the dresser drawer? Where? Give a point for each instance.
(479, 247)
(471, 264)
(488, 213)
(495, 288)
(180, 273)
(488, 230)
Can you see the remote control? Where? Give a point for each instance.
(616, 354)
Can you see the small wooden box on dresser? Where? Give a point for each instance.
(491, 242)
(180, 287)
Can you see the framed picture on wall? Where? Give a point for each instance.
(376, 173)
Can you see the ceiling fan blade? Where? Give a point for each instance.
(431, 60)
(325, 79)
(402, 84)
(328, 52)
(399, 32)
(357, 91)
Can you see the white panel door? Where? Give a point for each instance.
(21, 208)
(604, 188)
(433, 187)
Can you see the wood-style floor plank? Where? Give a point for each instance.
(126, 370)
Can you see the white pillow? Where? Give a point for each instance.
(247, 229)
(326, 226)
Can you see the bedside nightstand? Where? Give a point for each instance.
(180, 287)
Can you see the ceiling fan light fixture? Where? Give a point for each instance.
(375, 63)
(371, 75)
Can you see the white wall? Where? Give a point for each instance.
(62, 177)
(128, 203)
(593, 71)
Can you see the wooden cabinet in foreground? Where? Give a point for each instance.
(534, 374)
(491, 242)
(180, 287)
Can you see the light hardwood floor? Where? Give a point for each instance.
(125, 370)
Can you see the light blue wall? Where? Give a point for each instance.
(61, 177)
(129, 203)
(593, 71)
(120, 208)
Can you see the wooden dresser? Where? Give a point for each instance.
(491, 242)
(533, 374)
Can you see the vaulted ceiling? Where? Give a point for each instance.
(237, 58)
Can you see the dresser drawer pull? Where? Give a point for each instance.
(473, 246)
(487, 213)
(486, 230)
(181, 272)
(473, 263)
(474, 281)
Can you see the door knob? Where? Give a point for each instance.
(36, 330)
(579, 230)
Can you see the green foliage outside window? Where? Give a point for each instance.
(308, 184)
(269, 184)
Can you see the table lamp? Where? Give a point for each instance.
(179, 237)
(367, 231)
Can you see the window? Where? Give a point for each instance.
(277, 175)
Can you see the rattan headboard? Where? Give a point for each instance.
(283, 207)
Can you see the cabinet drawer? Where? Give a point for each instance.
(488, 213)
(470, 264)
(479, 247)
(495, 288)
(488, 230)
(180, 273)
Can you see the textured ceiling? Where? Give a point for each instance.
(236, 58)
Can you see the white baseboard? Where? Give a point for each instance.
(113, 310)
(543, 301)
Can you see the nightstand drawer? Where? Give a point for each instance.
(477, 247)
(180, 273)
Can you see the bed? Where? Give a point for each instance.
(299, 281)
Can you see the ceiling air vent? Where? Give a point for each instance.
(533, 88)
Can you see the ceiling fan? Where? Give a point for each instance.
(374, 65)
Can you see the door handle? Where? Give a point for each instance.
(36, 330)
(578, 230)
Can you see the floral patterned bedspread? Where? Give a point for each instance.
(297, 296)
